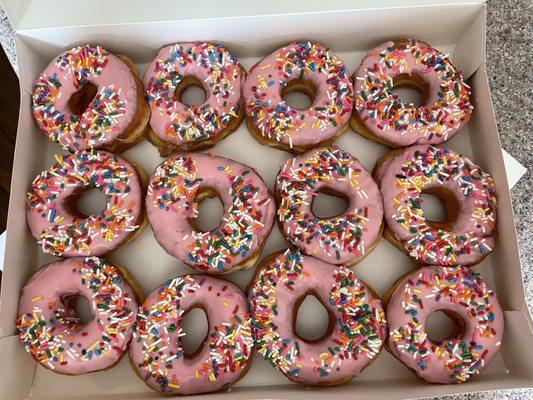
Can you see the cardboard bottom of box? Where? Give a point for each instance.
(150, 265)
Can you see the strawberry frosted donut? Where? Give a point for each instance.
(54, 219)
(305, 67)
(179, 126)
(380, 115)
(181, 183)
(468, 195)
(221, 360)
(467, 300)
(51, 331)
(343, 239)
(356, 331)
(90, 98)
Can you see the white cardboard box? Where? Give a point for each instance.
(139, 29)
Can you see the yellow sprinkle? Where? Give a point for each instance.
(37, 298)
(225, 303)
(173, 385)
(94, 345)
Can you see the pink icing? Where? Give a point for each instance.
(277, 121)
(246, 222)
(156, 348)
(58, 230)
(455, 289)
(221, 77)
(49, 328)
(108, 114)
(445, 112)
(402, 180)
(342, 239)
(358, 333)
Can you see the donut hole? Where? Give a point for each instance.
(195, 326)
(190, 91)
(411, 89)
(78, 308)
(299, 94)
(312, 321)
(80, 100)
(210, 211)
(87, 202)
(444, 325)
(440, 208)
(329, 203)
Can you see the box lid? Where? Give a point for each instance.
(36, 14)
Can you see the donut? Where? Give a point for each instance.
(89, 98)
(357, 328)
(52, 333)
(175, 191)
(177, 126)
(224, 356)
(468, 300)
(343, 239)
(467, 193)
(380, 114)
(57, 224)
(304, 67)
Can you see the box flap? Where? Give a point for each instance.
(33, 14)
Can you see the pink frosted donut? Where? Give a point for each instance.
(220, 361)
(465, 297)
(302, 66)
(357, 328)
(51, 331)
(115, 118)
(382, 116)
(467, 193)
(61, 229)
(343, 239)
(175, 190)
(178, 126)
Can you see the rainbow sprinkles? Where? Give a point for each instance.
(220, 76)
(107, 115)
(445, 111)
(340, 239)
(451, 289)
(156, 348)
(278, 122)
(405, 177)
(62, 231)
(51, 331)
(357, 335)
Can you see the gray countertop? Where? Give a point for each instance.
(509, 58)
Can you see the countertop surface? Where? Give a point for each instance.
(509, 58)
